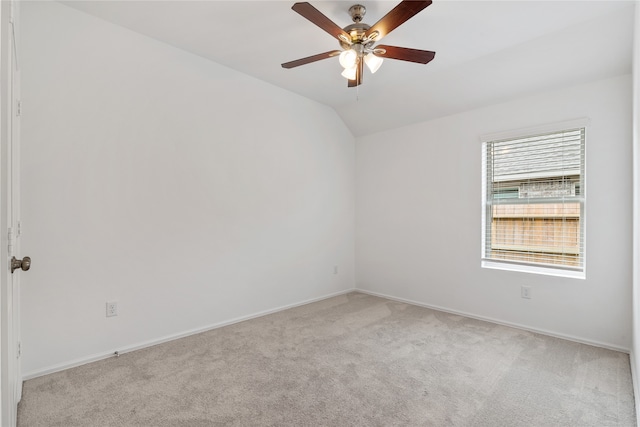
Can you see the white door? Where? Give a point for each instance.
(10, 347)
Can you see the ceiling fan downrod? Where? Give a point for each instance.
(357, 12)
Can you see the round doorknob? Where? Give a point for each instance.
(24, 263)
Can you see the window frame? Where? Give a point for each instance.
(519, 266)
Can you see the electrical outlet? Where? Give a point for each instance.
(525, 292)
(335, 269)
(112, 308)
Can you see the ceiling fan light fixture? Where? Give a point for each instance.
(348, 58)
(349, 73)
(373, 62)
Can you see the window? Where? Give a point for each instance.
(533, 201)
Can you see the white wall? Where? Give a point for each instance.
(188, 192)
(635, 365)
(193, 195)
(418, 225)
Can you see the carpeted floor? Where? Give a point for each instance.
(352, 360)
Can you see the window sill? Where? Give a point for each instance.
(496, 265)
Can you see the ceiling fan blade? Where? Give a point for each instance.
(396, 17)
(310, 59)
(314, 15)
(404, 54)
(359, 75)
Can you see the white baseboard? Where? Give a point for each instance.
(150, 343)
(499, 322)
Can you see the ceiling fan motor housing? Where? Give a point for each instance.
(356, 32)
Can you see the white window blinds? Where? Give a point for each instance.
(534, 199)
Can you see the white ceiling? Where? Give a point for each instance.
(486, 51)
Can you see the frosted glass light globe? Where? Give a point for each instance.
(349, 73)
(348, 58)
(373, 62)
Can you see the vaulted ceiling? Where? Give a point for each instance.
(486, 51)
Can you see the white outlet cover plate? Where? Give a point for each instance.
(112, 308)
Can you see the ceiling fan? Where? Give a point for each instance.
(357, 40)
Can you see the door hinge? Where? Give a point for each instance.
(18, 108)
(19, 232)
(19, 353)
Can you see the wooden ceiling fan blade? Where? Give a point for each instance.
(314, 15)
(310, 59)
(359, 75)
(404, 54)
(396, 17)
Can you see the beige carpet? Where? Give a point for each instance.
(352, 360)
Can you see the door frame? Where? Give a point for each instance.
(10, 376)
